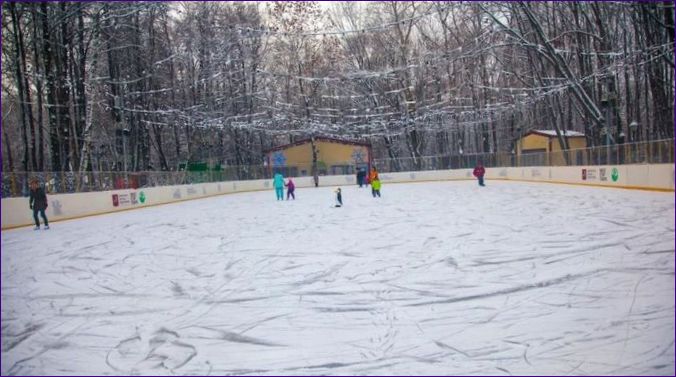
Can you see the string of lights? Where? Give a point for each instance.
(444, 113)
(273, 31)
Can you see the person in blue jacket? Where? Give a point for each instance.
(278, 183)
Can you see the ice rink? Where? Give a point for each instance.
(432, 278)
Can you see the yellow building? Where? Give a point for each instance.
(541, 147)
(334, 157)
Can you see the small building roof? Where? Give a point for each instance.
(318, 138)
(552, 133)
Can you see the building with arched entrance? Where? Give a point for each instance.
(334, 157)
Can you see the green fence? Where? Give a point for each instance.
(654, 152)
(15, 184)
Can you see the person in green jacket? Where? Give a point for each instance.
(375, 187)
(278, 183)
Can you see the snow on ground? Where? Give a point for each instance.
(432, 278)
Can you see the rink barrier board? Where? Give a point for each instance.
(108, 212)
(640, 188)
(15, 211)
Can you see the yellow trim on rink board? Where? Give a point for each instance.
(644, 188)
(592, 185)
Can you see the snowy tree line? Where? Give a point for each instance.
(87, 85)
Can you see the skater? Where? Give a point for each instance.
(373, 175)
(278, 183)
(361, 174)
(290, 188)
(375, 187)
(479, 172)
(38, 203)
(339, 198)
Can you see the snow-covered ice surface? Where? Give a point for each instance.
(432, 278)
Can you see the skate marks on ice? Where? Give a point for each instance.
(11, 336)
(436, 278)
(161, 350)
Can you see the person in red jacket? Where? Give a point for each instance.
(479, 172)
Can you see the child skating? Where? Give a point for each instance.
(290, 188)
(339, 198)
(375, 187)
(373, 175)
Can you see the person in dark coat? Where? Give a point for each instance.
(479, 172)
(361, 174)
(339, 198)
(38, 203)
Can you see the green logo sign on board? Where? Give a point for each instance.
(615, 174)
(142, 197)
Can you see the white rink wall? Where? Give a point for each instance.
(16, 213)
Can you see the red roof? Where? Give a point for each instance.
(319, 138)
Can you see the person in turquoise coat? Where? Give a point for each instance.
(278, 183)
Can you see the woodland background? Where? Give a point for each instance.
(86, 85)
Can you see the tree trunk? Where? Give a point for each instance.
(8, 148)
(48, 55)
(63, 90)
(315, 170)
(38, 87)
(80, 103)
(20, 82)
